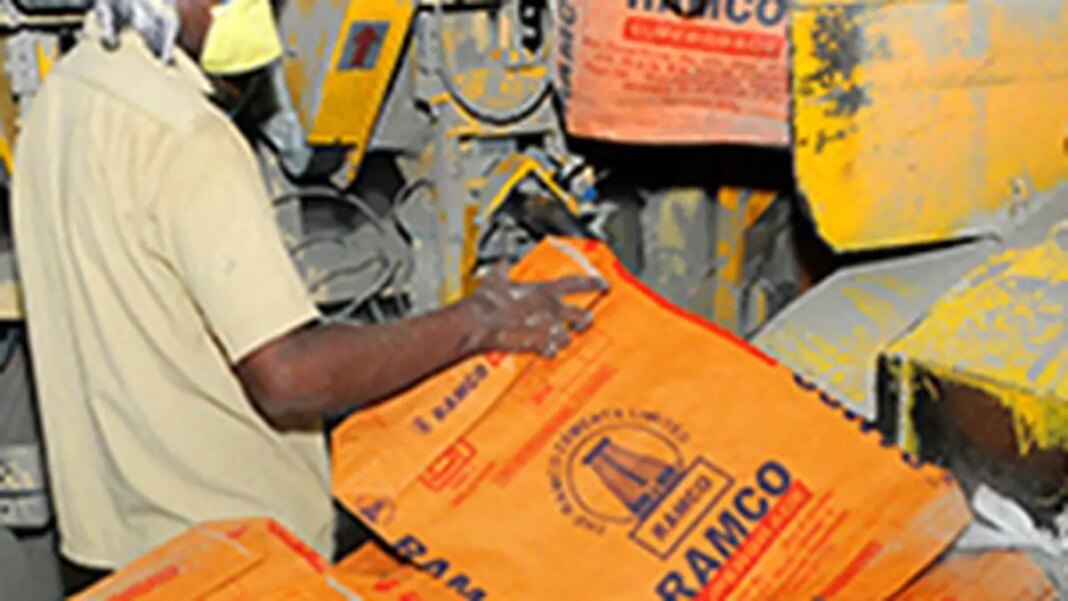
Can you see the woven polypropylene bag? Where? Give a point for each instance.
(658, 458)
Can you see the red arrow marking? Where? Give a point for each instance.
(365, 40)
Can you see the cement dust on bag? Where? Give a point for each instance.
(658, 458)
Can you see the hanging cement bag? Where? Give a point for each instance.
(674, 71)
(658, 458)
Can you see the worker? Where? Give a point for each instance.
(183, 369)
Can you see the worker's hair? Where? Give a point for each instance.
(155, 20)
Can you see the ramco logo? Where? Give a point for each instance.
(731, 527)
(767, 13)
(471, 381)
(415, 550)
(623, 468)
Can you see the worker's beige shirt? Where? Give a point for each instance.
(152, 263)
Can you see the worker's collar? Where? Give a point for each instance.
(131, 41)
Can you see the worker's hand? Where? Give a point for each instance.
(522, 318)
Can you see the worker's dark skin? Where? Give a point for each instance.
(331, 367)
(324, 368)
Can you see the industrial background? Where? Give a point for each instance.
(897, 246)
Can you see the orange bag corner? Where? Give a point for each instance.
(374, 575)
(989, 576)
(238, 559)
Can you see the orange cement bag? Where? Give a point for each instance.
(993, 576)
(658, 458)
(258, 560)
(224, 561)
(674, 71)
(375, 576)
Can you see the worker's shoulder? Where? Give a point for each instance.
(131, 79)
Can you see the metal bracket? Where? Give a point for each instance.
(23, 489)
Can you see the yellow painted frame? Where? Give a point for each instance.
(352, 99)
(924, 120)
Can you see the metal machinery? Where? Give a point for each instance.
(432, 132)
(408, 143)
(438, 122)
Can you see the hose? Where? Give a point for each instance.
(399, 199)
(382, 257)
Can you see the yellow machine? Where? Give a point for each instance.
(934, 133)
(440, 121)
(919, 122)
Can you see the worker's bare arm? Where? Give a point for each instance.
(332, 367)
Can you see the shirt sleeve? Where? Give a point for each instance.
(220, 234)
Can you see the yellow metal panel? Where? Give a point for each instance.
(45, 58)
(361, 66)
(9, 112)
(924, 120)
(513, 170)
(1005, 333)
